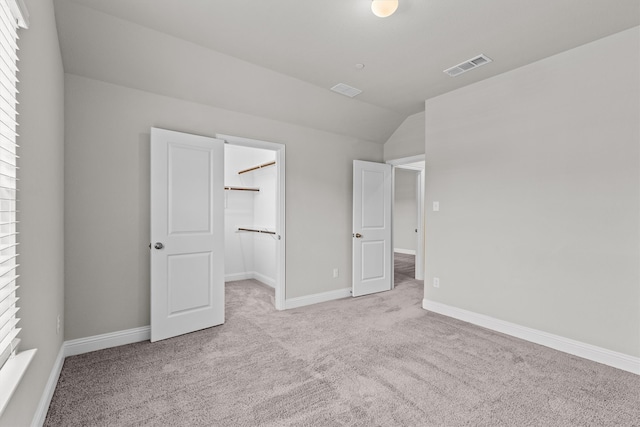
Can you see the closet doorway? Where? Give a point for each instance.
(254, 213)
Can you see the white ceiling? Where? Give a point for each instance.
(279, 58)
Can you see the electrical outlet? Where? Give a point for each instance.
(58, 325)
(335, 273)
(436, 282)
(436, 206)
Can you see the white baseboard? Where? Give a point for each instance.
(264, 279)
(100, 342)
(237, 276)
(250, 275)
(316, 298)
(404, 251)
(50, 387)
(566, 345)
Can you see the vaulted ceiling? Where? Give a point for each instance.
(279, 58)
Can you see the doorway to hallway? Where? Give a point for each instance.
(408, 216)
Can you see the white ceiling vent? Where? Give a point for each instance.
(470, 64)
(347, 90)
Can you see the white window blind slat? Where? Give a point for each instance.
(12, 13)
(8, 96)
(8, 269)
(8, 130)
(5, 162)
(9, 78)
(8, 108)
(8, 147)
(8, 118)
(13, 333)
(7, 327)
(6, 281)
(8, 245)
(9, 26)
(7, 101)
(8, 60)
(8, 315)
(8, 287)
(7, 258)
(8, 57)
(8, 299)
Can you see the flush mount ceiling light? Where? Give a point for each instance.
(384, 8)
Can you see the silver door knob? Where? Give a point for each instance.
(158, 245)
(357, 235)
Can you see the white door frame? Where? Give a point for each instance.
(279, 149)
(405, 163)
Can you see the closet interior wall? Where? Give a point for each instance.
(250, 255)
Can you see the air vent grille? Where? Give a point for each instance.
(346, 90)
(470, 64)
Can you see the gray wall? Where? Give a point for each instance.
(405, 207)
(407, 140)
(107, 198)
(537, 175)
(41, 205)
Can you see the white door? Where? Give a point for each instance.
(372, 248)
(187, 233)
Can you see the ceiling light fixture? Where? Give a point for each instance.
(384, 8)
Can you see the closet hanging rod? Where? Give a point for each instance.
(242, 188)
(253, 230)
(264, 165)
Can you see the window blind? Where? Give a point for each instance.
(10, 19)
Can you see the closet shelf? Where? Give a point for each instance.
(264, 165)
(255, 230)
(242, 188)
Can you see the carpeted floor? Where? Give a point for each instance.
(404, 267)
(378, 360)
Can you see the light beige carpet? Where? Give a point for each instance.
(379, 360)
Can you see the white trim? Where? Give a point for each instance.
(407, 160)
(566, 345)
(317, 298)
(112, 339)
(248, 142)
(420, 197)
(264, 279)
(11, 374)
(404, 251)
(50, 387)
(250, 275)
(279, 149)
(235, 277)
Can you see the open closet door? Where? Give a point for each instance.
(372, 247)
(187, 233)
